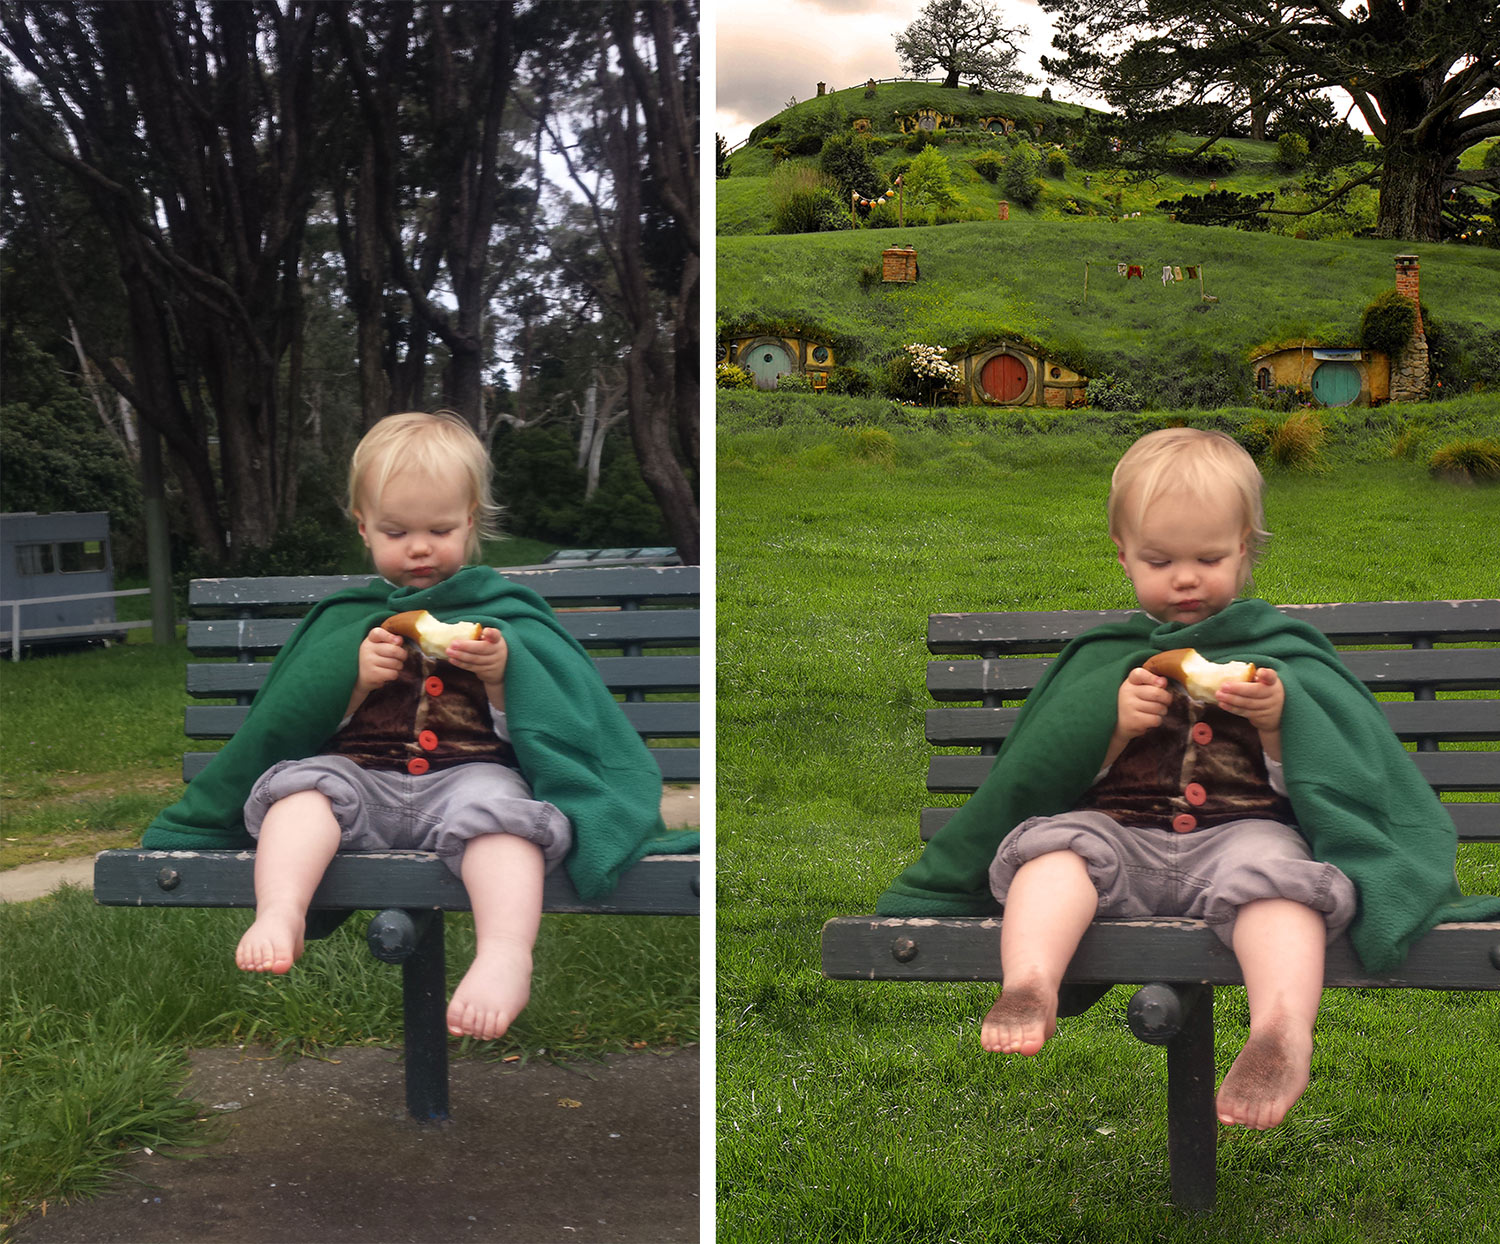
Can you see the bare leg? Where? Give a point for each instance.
(1279, 945)
(503, 875)
(1047, 909)
(297, 840)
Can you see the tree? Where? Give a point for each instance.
(964, 38)
(1419, 72)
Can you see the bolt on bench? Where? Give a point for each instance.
(1178, 962)
(621, 611)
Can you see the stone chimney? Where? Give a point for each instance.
(1409, 283)
(822, 89)
(1411, 375)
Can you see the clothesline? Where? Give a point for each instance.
(1170, 275)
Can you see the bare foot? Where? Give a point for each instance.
(1266, 1080)
(1021, 1020)
(493, 991)
(273, 943)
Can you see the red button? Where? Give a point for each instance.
(1184, 822)
(427, 741)
(1195, 794)
(1203, 733)
(433, 686)
(417, 766)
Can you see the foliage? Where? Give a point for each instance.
(733, 376)
(845, 161)
(57, 454)
(1291, 151)
(966, 39)
(1111, 392)
(1473, 461)
(1057, 165)
(1294, 440)
(927, 182)
(1221, 207)
(933, 372)
(1464, 357)
(1023, 183)
(803, 200)
(1388, 323)
(989, 165)
(1212, 161)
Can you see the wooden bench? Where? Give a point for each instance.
(619, 613)
(1178, 962)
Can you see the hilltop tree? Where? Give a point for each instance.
(964, 38)
(1418, 72)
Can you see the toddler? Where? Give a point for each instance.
(503, 757)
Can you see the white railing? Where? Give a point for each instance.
(16, 635)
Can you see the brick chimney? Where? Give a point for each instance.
(1411, 371)
(1409, 283)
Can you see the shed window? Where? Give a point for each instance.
(81, 556)
(35, 559)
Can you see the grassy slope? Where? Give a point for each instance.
(866, 1111)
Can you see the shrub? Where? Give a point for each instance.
(927, 181)
(1291, 151)
(1388, 323)
(1296, 441)
(1110, 392)
(1469, 461)
(793, 382)
(733, 376)
(920, 140)
(989, 165)
(873, 445)
(1057, 165)
(800, 199)
(848, 382)
(1023, 183)
(845, 161)
(1210, 162)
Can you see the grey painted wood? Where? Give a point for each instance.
(1452, 956)
(658, 885)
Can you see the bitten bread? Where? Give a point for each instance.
(432, 636)
(1200, 677)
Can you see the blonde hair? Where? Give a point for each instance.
(433, 447)
(1205, 466)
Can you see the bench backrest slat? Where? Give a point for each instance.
(1389, 648)
(614, 611)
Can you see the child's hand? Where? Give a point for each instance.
(486, 658)
(1143, 702)
(381, 656)
(1259, 702)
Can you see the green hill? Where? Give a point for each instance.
(1023, 278)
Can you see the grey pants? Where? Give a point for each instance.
(391, 810)
(1207, 875)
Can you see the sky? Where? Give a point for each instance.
(768, 51)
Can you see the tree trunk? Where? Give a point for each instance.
(1411, 194)
(951, 81)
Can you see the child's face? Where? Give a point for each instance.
(1187, 558)
(417, 529)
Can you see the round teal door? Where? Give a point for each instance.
(766, 361)
(1335, 384)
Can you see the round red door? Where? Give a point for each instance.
(1003, 378)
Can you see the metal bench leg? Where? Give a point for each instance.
(415, 941)
(1192, 1125)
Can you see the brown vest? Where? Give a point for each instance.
(1202, 766)
(432, 716)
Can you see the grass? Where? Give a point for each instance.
(1024, 280)
(866, 1111)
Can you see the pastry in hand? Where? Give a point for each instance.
(1200, 677)
(432, 636)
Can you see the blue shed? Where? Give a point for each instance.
(47, 556)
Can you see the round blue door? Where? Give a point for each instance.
(766, 361)
(1336, 384)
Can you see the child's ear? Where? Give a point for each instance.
(1119, 550)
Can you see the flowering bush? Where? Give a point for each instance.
(928, 362)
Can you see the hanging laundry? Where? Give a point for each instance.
(1136, 270)
(1166, 274)
(1120, 268)
(1176, 273)
(1192, 272)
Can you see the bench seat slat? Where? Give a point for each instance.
(1452, 956)
(658, 885)
(1357, 622)
(1400, 669)
(573, 584)
(1452, 771)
